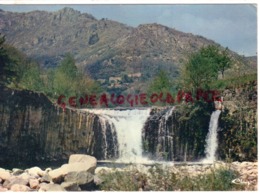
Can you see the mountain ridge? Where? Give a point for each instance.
(102, 48)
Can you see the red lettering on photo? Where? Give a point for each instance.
(120, 99)
(59, 101)
(130, 100)
(154, 98)
(112, 99)
(92, 100)
(188, 97)
(180, 96)
(136, 99)
(83, 101)
(143, 99)
(161, 97)
(72, 101)
(103, 100)
(169, 99)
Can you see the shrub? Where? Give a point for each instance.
(163, 179)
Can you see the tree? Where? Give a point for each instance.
(203, 67)
(68, 81)
(161, 83)
(224, 62)
(65, 76)
(6, 65)
(31, 78)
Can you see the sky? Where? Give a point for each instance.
(231, 25)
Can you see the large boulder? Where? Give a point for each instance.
(35, 171)
(84, 179)
(70, 186)
(83, 158)
(17, 171)
(15, 180)
(58, 175)
(4, 174)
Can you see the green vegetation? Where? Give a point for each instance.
(19, 72)
(161, 83)
(6, 65)
(27, 72)
(163, 179)
(69, 81)
(203, 68)
(234, 81)
(238, 137)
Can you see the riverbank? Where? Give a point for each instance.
(81, 173)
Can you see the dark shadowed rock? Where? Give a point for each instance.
(46, 178)
(17, 171)
(84, 179)
(71, 186)
(97, 180)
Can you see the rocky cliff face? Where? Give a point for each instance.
(32, 129)
(168, 135)
(180, 135)
(238, 137)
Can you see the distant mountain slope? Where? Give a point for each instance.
(105, 49)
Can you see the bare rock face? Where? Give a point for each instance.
(33, 130)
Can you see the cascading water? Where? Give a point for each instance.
(211, 140)
(128, 125)
(165, 143)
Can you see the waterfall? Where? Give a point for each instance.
(128, 126)
(211, 139)
(165, 144)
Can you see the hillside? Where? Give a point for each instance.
(106, 50)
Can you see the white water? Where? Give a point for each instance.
(164, 132)
(128, 125)
(211, 139)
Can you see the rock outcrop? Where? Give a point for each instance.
(75, 176)
(33, 130)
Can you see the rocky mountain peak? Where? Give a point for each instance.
(99, 44)
(69, 13)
